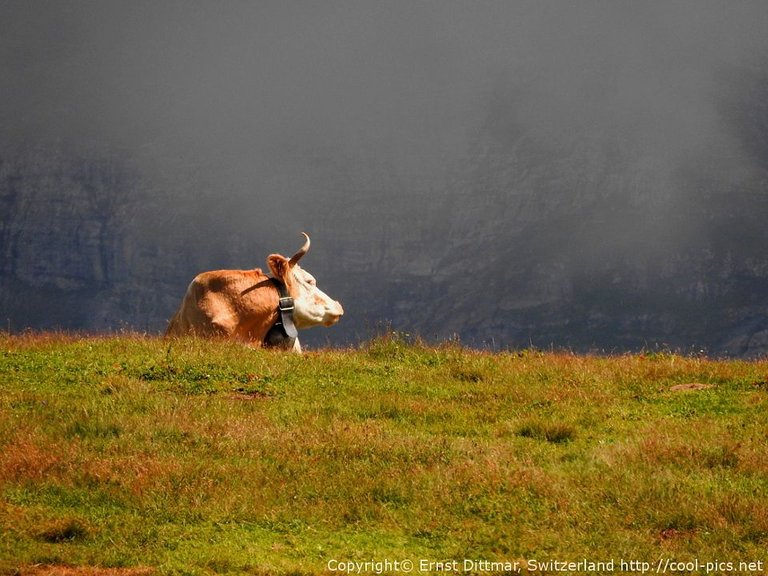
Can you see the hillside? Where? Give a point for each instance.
(200, 457)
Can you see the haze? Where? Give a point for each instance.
(290, 116)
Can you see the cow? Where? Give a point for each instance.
(252, 307)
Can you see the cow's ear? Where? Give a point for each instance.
(279, 266)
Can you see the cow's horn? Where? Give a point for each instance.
(303, 250)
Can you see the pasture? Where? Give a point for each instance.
(146, 456)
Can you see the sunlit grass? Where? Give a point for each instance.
(199, 457)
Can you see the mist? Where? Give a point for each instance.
(536, 145)
(409, 81)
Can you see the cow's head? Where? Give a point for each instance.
(312, 305)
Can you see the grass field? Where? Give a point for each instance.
(194, 457)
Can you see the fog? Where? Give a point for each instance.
(262, 108)
(223, 84)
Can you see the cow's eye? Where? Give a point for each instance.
(312, 282)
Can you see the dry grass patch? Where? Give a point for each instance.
(82, 571)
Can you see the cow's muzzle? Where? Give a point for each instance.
(333, 314)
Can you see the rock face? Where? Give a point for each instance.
(523, 239)
(584, 242)
(73, 255)
(89, 245)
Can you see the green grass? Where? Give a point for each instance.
(197, 457)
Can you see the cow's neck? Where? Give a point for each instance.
(283, 333)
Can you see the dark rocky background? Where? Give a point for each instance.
(590, 175)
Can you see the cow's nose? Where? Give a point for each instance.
(334, 314)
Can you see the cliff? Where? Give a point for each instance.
(524, 238)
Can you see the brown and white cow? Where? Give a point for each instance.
(244, 304)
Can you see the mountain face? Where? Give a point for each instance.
(581, 238)
(68, 258)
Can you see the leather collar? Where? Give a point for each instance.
(283, 333)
